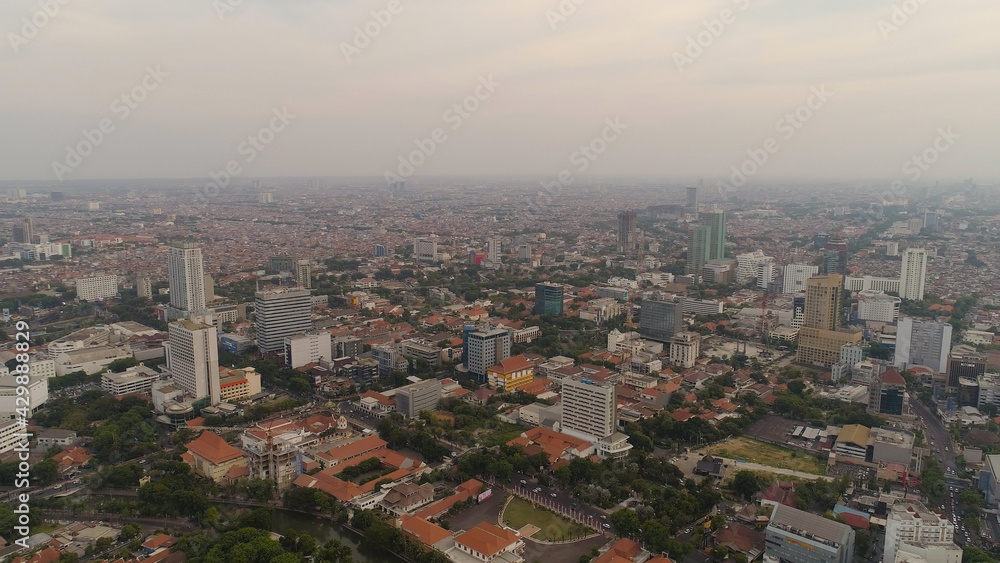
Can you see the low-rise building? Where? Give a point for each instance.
(797, 536)
(488, 542)
(511, 373)
(137, 379)
(912, 523)
(210, 456)
(237, 385)
(89, 360)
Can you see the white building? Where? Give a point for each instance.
(137, 379)
(989, 390)
(795, 276)
(684, 349)
(42, 368)
(851, 354)
(11, 407)
(923, 343)
(308, 348)
(89, 360)
(97, 287)
(186, 272)
(747, 265)
(485, 350)
(892, 249)
(913, 274)
(425, 250)
(913, 523)
(589, 408)
(193, 358)
(871, 283)
(701, 307)
(11, 434)
(877, 306)
(765, 274)
(281, 313)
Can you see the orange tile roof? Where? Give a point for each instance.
(428, 534)
(512, 364)
(553, 443)
(348, 451)
(213, 448)
(487, 539)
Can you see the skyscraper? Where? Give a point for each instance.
(588, 408)
(716, 223)
(186, 272)
(486, 348)
(795, 277)
(627, 239)
(281, 313)
(913, 274)
(697, 254)
(824, 302)
(661, 320)
(548, 299)
(303, 274)
(923, 343)
(24, 231)
(493, 247)
(144, 286)
(193, 357)
(692, 199)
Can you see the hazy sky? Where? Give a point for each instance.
(560, 80)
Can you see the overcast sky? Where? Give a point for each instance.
(560, 79)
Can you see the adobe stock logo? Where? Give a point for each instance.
(700, 42)
(30, 27)
(899, 17)
(364, 35)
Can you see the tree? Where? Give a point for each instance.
(747, 484)
(625, 522)
(122, 364)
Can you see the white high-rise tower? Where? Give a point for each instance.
(187, 277)
(193, 357)
(913, 274)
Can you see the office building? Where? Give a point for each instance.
(186, 272)
(281, 313)
(748, 266)
(835, 257)
(389, 358)
(425, 249)
(913, 274)
(878, 306)
(627, 233)
(820, 347)
(193, 357)
(137, 379)
(97, 288)
(852, 354)
(303, 274)
(24, 231)
(548, 299)
(912, 523)
(281, 263)
(719, 272)
(697, 253)
(381, 251)
(930, 219)
(795, 536)
(493, 249)
(887, 394)
(892, 249)
(308, 348)
(661, 320)
(692, 199)
(12, 398)
(824, 302)
(265, 198)
(965, 361)
(589, 408)
(684, 349)
(143, 287)
(765, 275)
(716, 223)
(485, 349)
(524, 252)
(871, 283)
(423, 396)
(799, 310)
(989, 390)
(348, 347)
(922, 342)
(795, 276)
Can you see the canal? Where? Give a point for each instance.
(325, 530)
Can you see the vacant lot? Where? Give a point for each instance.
(767, 454)
(551, 526)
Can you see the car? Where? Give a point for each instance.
(553, 495)
(604, 517)
(536, 490)
(687, 531)
(523, 482)
(607, 526)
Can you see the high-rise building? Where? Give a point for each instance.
(887, 394)
(765, 274)
(684, 349)
(923, 343)
(824, 302)
(697, 253)
(965, 362)
(835, 257)
(795, 536)
(281, 313)
(97, 287)
(209, 285)
(795, 276)
(589, 408)
(307, 348)
(930, 219)
(912, 523)
(493, 247)
(716, 223)
(661, 320)
(819, 241)
(265, 197)
(548, 299)
(892, 249)
(627, 239)
(24, 231)
(193, 357)
(748, 265)
(485, 349)
(413, 399)
(877, 306)
(381, 250)
(799, 310)
(425, 249)
(692, 199)
(913, 274)
(186, 272)
(281, 263)
(303, 274)
(144, 287)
